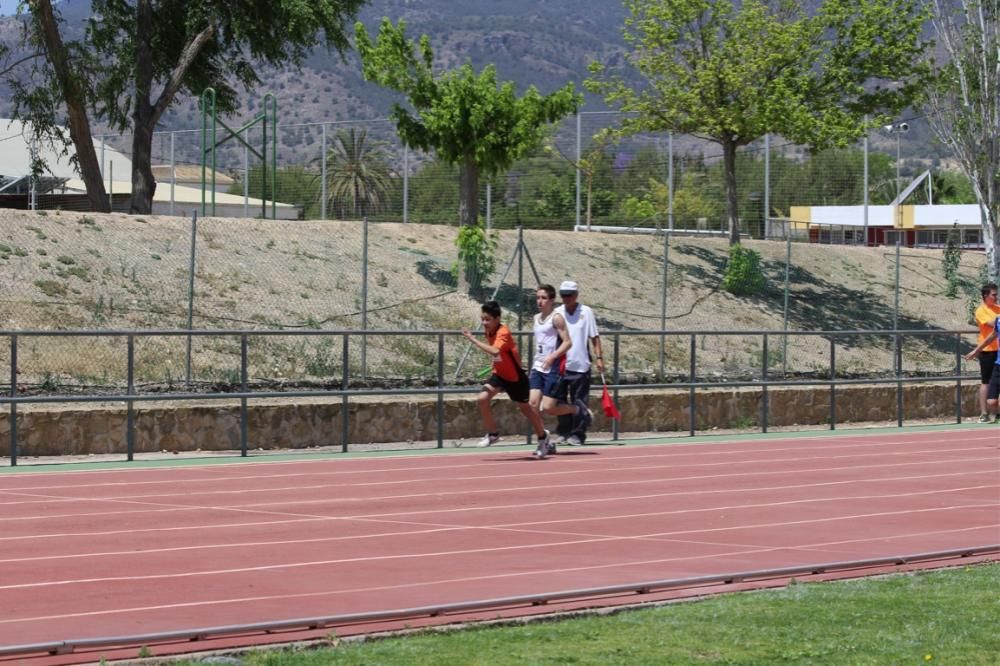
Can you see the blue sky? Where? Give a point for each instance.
(8, 6)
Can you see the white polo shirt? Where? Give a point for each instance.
(581, 326)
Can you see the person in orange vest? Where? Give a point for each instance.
(986, 315)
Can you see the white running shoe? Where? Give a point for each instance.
(574, 440)
(488, 440)
(543, 447)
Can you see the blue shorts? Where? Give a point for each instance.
(546, 382)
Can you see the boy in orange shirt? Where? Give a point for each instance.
(508, 375)
(986, 315)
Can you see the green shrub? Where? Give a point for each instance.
(950, 260)
(744, 276)
(476, 253)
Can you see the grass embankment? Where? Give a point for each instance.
(941, 617)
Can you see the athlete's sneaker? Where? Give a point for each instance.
(488, 440)
(543, 446)
(574, 440)
(551, 448)
(985, 418)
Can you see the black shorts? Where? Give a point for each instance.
(993, 392)
(518, 391)
(987, 360)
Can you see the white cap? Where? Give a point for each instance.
(568, 287)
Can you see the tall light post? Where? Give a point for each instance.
(897, 129)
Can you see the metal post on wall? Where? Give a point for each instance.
(764, 406)
(440, 396)
(13, 406)
(833, 384)
(244, 386)
(691, 378)
(130, 407)
(190, 318)
(615, 378)
(345, 383)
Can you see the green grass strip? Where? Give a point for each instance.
(948, 616)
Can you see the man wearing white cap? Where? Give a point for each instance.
(575, 388)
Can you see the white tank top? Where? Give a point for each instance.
(546, 340)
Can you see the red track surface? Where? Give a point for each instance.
(123, 552)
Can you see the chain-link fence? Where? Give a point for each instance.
(70, 270)
(579, 177)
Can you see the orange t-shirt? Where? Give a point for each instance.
(504, 366)
(985, 316)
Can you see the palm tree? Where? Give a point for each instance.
(357, 174)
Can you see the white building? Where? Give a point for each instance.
(61, 186)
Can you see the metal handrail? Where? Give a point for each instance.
(763, 382)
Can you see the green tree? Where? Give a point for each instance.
(137, 56)
(357, 174)
(464, 117)
(964, 105)
(733, 72)
(60, 83)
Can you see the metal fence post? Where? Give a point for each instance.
(614, 378)
(833, 384)
(190, 318)
(577, 165)
(406, 184)
(364, 298)
(663, 303)
(244, 413)
(763, 377)
(130, 413)
(13, 405)
(784, 309)
(895, 307)
(344, 384)
(958, 374)
(691, 401)
(440, 396)
(322, 171)
(173, 172)
(899, 379)
(670, 181)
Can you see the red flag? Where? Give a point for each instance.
(610, 410)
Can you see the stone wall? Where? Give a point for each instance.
(173, 426)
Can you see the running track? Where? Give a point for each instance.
(122, 552)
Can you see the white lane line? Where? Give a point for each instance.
(548, 571)
(295, 516)
(369, 558)
(57, 499)
(671, 451)
(507, 527)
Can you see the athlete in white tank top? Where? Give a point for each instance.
(546, 341)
